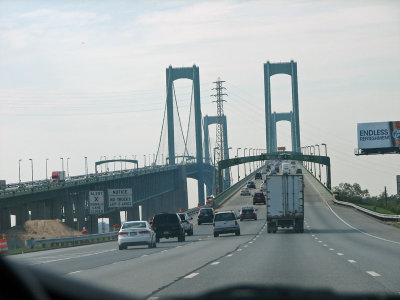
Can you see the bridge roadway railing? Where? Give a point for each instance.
(89, 180)
(329, 195)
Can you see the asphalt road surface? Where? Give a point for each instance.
(340, 249)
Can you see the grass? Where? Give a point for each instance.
(378, 209)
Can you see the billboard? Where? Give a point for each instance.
(120, 198)
(96, 202)
(378, 135)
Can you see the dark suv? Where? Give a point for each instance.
(206, 215)
(258, 176)
(168, 225)
(259, 198)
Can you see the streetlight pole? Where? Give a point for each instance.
(319, 164)
(32, 169)
(101, 166)
(46, 169)
(86, 167)
(144, 155)
(250, 155)
(309, 163)
(120, 159)
(19, 170)
(215, 173)
(62, 163)
(67, 167)
(244, 155)
(237, 155)
(315, 169)
(326, 150)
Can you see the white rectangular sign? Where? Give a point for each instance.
(374, 135)
(96, 202)
(120, 198)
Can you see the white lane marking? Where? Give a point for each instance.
(178, 246)
(340, 254)
(144, 255)
(191, 275)
(331, 249)
(77, 256)
(153, 298)
(73, 272)
(215, 263)
(319, 241)
(250, 242)
(200, 239)
(325, 245)
(229, 255)
(351, 226)
(351, 261)
(315, 238)
(164, 251)
(239, 249)
(313, 235)
(373, 274)
(245, 246)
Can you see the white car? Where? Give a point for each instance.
(135, 233)
(186, 223)
(225, 222)
(245, 192)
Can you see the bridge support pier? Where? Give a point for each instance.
(68, 211)
(5, 220)
(37, 210)
(80, 211)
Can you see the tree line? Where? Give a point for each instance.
(355, 194)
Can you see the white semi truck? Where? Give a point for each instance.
(285, 202)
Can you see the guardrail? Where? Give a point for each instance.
(71, 241)
(225, 195)
(374, 214)
(368, 211)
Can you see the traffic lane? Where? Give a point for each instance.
(147, 274)
(66, 260)
(377, 256)
(281, 259)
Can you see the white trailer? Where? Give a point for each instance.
(285, 202)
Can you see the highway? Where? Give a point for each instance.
(340, 249)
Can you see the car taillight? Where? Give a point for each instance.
(122, 233)
(144, 232)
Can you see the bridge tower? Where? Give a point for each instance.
(192, 73)
(271, 119)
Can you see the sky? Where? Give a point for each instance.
(87, 78)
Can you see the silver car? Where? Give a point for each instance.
(186, 223)
(225, 222)
(134, 233)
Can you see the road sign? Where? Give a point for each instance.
(120, 198)
(96, 202)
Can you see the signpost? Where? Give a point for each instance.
(96, 202)
(120, 198)
(398, 184)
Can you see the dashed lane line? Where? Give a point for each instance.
(374, 274)
(351, 261)
(331, 249)
(214, 263)
(340, 254)
(191, 275)
(73, 272)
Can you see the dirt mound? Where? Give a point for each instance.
(39, 229)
